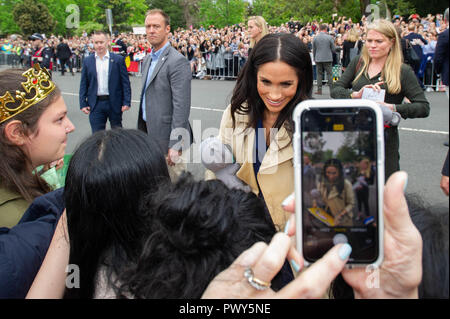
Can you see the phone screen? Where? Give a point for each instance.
(339, 182)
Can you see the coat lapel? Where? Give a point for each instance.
(94, 67)
(244, 141)
(278, 152)
(147, 62)
(161, 61)
(111, 61)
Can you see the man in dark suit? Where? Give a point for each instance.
(166, 94)
(63, 53)
(105, 91)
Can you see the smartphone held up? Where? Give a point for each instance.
(339, 178)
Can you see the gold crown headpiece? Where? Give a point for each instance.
(39, 81)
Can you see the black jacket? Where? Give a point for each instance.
(63, 51)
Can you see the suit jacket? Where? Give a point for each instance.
(168, 100)
(323, 48)
(276, 174)
(118, 83)
(63, 51)
(441, 57)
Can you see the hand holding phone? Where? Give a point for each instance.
(401, 271)
(339, 178)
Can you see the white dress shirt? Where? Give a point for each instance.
(102, 65)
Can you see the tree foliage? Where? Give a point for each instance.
(221, 13)
(7, 23)
(32, 17)
(49, 16)
(173, 8)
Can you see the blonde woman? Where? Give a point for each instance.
(352, 45)
(257, 28)
(380, 67)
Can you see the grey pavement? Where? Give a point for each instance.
(421, 140)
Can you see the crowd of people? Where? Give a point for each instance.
(219, 53)
(136, 227)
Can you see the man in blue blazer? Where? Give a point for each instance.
(105, 91)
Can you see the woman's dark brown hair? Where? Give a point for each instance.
(272, 47)
(15, 166)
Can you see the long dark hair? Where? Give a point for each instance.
(197, 230)
(272, 47)
(15, 166)
(107, 176)
(340, 182)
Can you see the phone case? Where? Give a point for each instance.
(321, 215)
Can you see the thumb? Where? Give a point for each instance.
(395, 208)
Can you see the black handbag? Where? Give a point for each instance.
(411, 56)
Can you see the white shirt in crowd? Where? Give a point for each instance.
(102, 65)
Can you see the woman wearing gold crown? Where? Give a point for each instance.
(33, 132)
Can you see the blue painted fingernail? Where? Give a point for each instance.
(295, 265)
(345, 251)
(286, 228)
(406, 184)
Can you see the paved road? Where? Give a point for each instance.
(421, 140)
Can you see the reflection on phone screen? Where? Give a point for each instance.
(339, 184)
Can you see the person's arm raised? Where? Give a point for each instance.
(50, 281)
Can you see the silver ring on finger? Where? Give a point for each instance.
(256, 283)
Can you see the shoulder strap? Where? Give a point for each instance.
(358, 66)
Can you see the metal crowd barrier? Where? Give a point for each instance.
(229, 71)
(12, 60)
(232, 67)
(3, 59)
(430, 79)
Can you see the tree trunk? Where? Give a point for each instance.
(363, 5)
(187, 5)
(336, 5)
